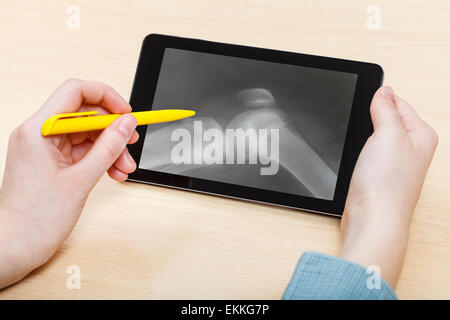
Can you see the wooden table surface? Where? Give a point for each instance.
(140, 241)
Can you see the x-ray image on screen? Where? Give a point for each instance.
(309, 109)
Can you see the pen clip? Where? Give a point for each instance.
(48, 124)
(73, 114)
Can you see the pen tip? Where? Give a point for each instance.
(189, 113)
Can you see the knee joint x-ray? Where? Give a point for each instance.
(261, 124)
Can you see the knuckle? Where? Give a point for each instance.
(14, 134)
(112, 150)
(72, 82)
(430, 139)
(431, 135)
(21, 133)
(106, 86)
(434, 136)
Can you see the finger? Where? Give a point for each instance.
(116, 174)
(106, 149)
(93, 135)
(73, 93)
(408, 116)
(79, 150)
(125, 162)
(134, 137)
(383, 110)
(90, 107)
(77, 138)
(420, 132)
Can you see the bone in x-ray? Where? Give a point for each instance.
(261, 112)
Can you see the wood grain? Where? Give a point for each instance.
(139, 241)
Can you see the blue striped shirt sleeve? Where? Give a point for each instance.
(322, 277)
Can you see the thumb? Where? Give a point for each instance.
(106, 149)
(383, 110)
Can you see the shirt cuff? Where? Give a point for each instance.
(322, 277)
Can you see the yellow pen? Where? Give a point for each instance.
(85, 121)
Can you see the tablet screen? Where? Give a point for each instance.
(259, 124)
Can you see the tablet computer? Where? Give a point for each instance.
(271, 126)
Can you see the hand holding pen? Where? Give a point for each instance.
(47, 179)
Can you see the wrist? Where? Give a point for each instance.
(363, 213)
(19, 254)
(375, 235)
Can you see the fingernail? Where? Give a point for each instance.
(127, 125)
(387, 92)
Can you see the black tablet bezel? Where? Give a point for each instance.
(370, 77)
